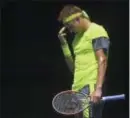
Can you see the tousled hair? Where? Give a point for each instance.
(67, 11)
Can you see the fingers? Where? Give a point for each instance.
(62, 30)
(63, 34)
(95, 98)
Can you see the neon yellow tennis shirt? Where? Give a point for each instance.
(86, 65)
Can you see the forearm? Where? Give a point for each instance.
(65, 49)
(102, 65)
(70, 63)
(68, 56)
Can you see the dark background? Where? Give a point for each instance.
(33, 66)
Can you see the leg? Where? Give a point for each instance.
(95, 110)
(98, 109)
(86, 90)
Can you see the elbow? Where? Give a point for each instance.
(102, 60)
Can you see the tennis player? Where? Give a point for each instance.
(90, 47)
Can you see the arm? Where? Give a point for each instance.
(68, 56)
(66, 50)
(102, 65)
(101, 47)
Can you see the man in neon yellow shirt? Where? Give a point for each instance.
(90, 48)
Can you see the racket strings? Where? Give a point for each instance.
(70, 103)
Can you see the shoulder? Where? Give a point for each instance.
(97, 30)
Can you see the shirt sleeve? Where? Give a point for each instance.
(101, 43)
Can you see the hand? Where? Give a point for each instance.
(96, 95)
(61, 35)
(62, 30)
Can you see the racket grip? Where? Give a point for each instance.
(114, 97)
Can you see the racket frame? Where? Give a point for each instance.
(70, 91)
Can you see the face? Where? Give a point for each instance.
(74, 25)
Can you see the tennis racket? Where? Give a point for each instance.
(71, 102)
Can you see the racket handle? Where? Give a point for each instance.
(114, 97)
